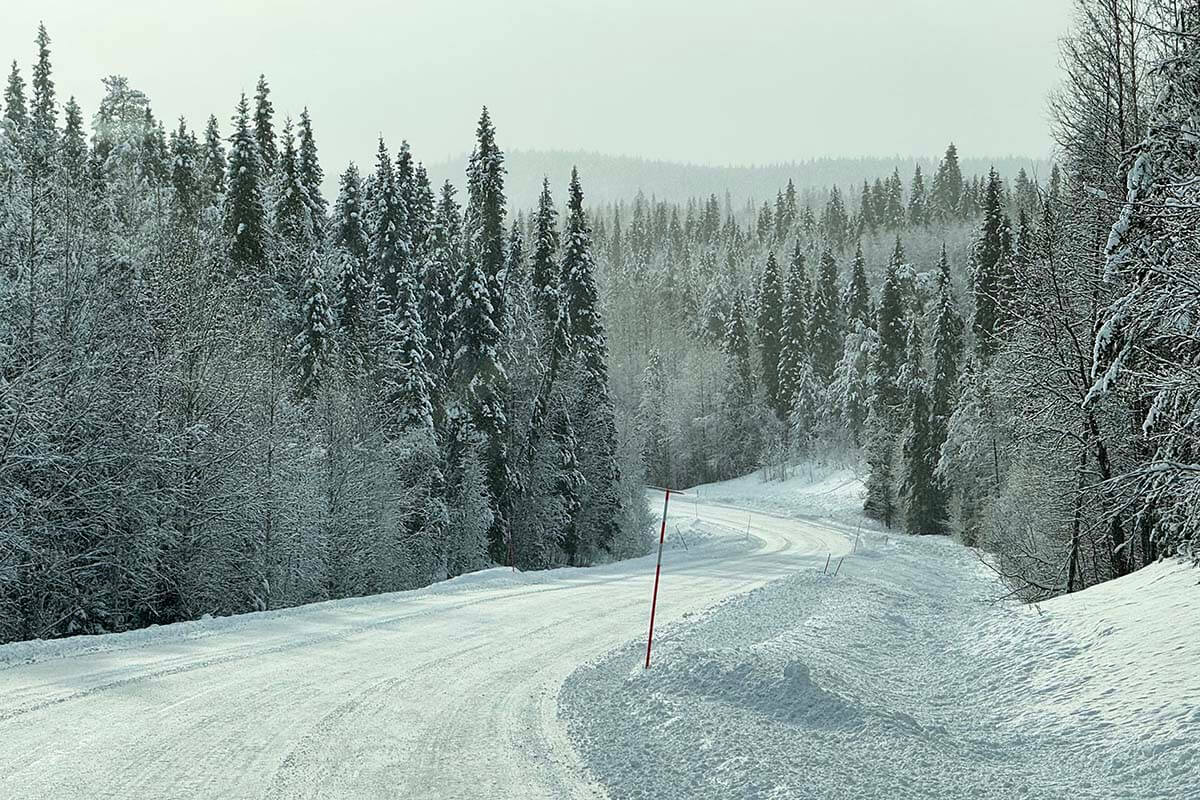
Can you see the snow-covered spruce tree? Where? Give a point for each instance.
(264, 126)
(884, 421)
(741, 444)
(478, 320)
(920, 494)
(947, 188)
(315, 341)
(311, 175)
(600, 496)
(946, 349)
(245, 220)
(794, 359)
(350, 242)
(770, 329)
(294, 235)
(858, 295)
(213, 168)
(918, 202)
(992, 263)
(440, 267)
(388, 220)
(546, 275)
(825, 328)
(406, 390)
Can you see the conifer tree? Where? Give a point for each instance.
(992, 278)
(478, 322)
(920, 494)
(918, 204)
(945, 196)
(740, 443)
(947, 352)
(594, 414)
(213, 168)
(185, 175)
(866, 210)
(314, 342)
(390, 245)
(894, 215)
(293, 217)
(770, 331)
(858, 296)
(794, 345)
(825, 328)
(546, 276)
(264, 128)
(884, 420)
(245, 218)
(15, 111)
(351, 242)
(311, 174)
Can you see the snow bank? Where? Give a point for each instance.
(906, 677)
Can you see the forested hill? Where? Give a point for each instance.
(619, 178)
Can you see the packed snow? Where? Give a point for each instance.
(449, 691)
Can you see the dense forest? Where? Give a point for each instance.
(1012, 361)
(220, 391)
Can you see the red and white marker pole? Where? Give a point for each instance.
(657, 571)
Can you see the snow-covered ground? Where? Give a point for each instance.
(450, 691)
(903, 677)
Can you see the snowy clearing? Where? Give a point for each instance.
(450, 691)
(903, 678)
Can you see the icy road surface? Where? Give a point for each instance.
(450, 691)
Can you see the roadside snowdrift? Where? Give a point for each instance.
(903, 677)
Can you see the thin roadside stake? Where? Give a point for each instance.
(826, 569)
(839, 566)
(662, 534)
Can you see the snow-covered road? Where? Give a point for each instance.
(450, 691)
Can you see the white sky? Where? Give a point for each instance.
(740, 82)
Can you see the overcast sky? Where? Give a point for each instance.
(739, 82)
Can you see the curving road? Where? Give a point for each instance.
(445, 692)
